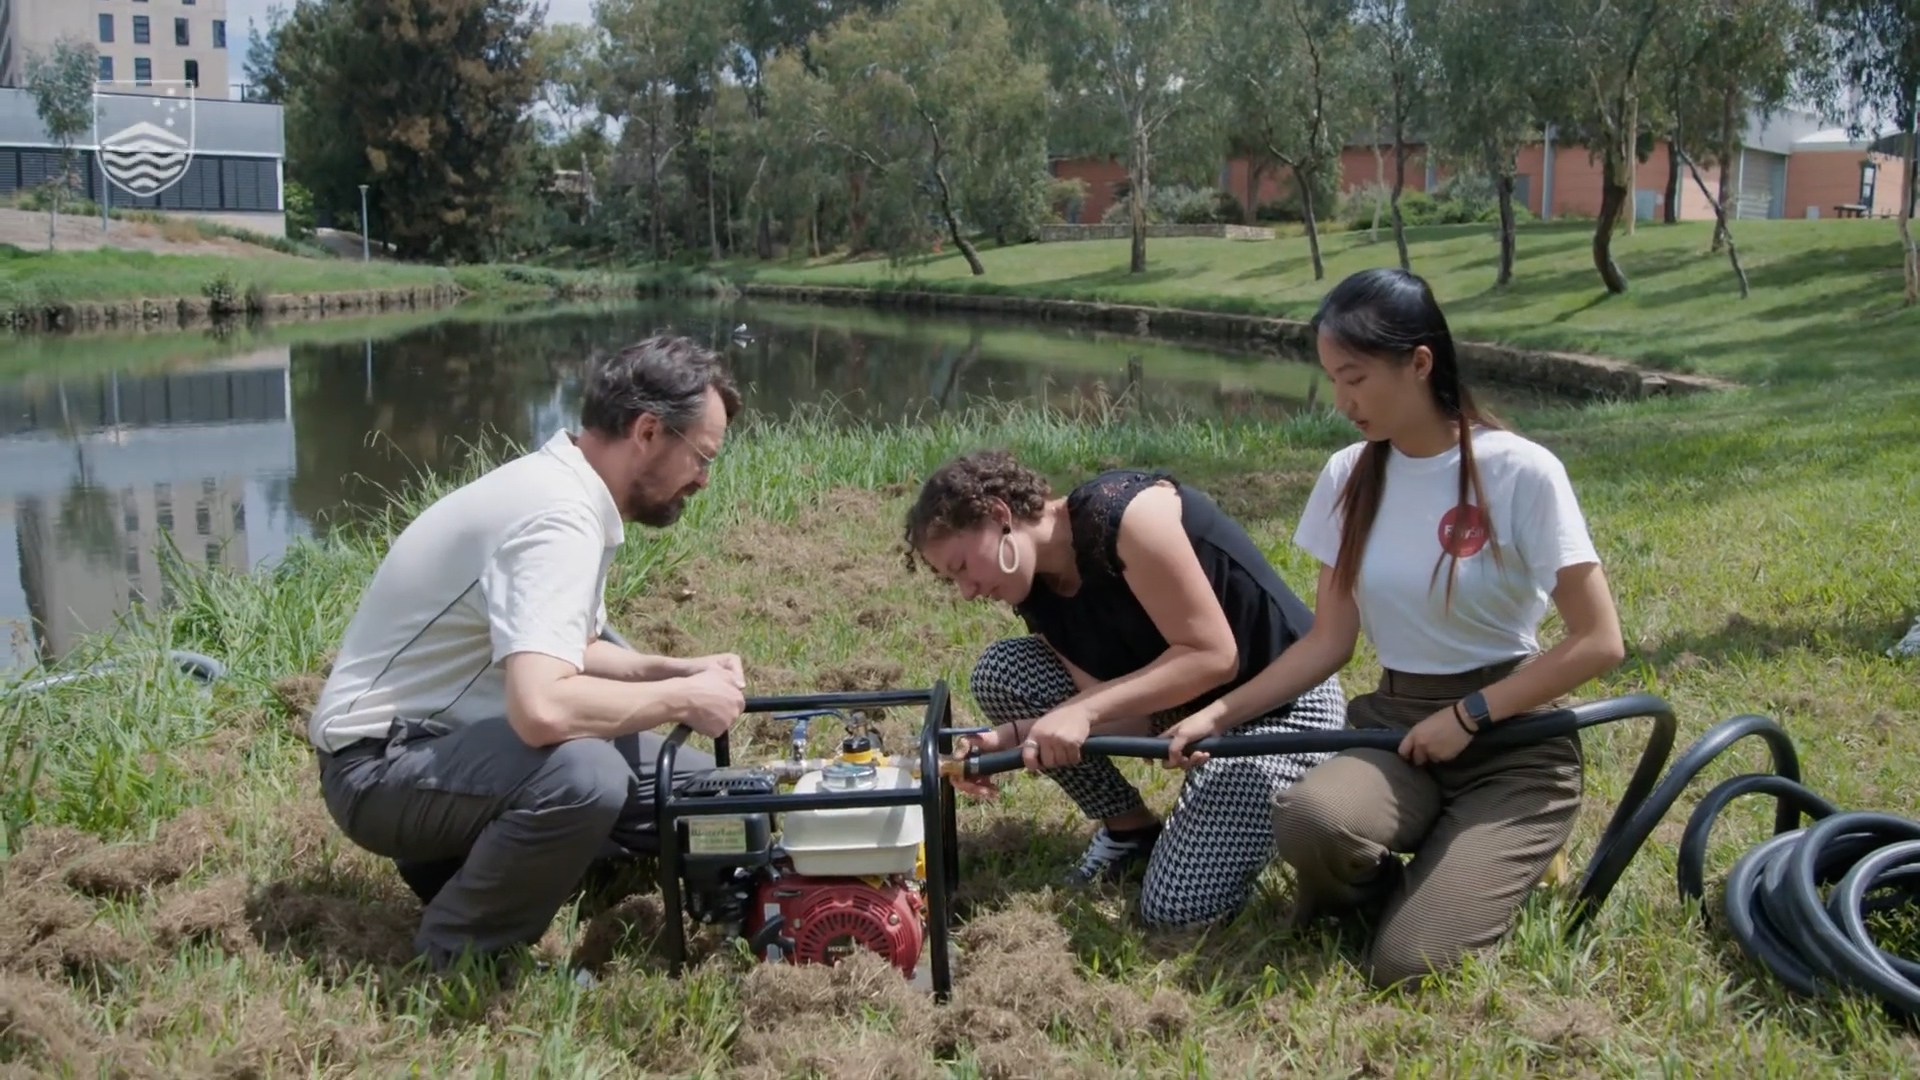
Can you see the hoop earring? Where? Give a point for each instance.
(1006, 544)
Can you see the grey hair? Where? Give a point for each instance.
(666, 376)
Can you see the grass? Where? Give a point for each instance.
(177, 900)
(1826, 294)
(34, 279)
(30, 357)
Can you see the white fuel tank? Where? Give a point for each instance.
(853, 842)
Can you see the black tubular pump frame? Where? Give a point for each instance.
(934, 795)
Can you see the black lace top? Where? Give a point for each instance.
(1103, 628)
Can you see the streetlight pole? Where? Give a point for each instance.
(365, 256)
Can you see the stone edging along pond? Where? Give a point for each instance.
(1567, 373)
(148, 314)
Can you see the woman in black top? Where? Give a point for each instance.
(1145, 602)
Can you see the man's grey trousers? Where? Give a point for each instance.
(516, 827)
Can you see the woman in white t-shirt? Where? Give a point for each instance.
(1443, 536)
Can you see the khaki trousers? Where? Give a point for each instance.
(1481, 828)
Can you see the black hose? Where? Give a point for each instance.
(198, 666)
(1641, 805)
(1773, 903)
(1523, 732)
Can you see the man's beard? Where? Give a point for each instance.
(653, 512)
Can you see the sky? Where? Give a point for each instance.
(239, 11)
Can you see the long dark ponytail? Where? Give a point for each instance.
(1388, 313)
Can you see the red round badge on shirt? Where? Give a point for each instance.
(1463, 532)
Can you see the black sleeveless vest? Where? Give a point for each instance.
(1103, 629)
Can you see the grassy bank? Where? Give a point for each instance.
(32, 281)
(176, 898)
(28, 357)
(1826, 294)
(37, 279)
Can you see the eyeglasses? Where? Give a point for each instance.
(706, 460)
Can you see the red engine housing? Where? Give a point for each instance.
(826, 919)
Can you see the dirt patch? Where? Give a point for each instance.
(48, 852)
(45, 928)
(880, 616)
(39, 1025)
(796, 1019)
(1575, 1026)
(636, 919)
(1016, 988)
(879, 1055)
(261, 1037)
(789, 607)
(862, 675)
(35, 915)
(1684, 662)
(313, 919)
(215, 912)
(298, 696)
(661, 636)
(1261, 495)
(897, 734)
(119, 870)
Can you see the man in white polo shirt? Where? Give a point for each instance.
(475, 728)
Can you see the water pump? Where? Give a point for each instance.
(828, 880)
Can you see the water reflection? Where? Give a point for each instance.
(104, 477)
(228, 460)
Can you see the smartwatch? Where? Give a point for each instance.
(1476, 706)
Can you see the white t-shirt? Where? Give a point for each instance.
(1497, 607)
(514, 561)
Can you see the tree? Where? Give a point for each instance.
(1602, 49)
(61, 80)
(265, 81)
(1876, 52)
(935, 103)
(1723, 61)
(1403, 60)
(764, 29)
(638, 54)
(1128, 67)
(1481, 106)
(436, 97)
(807, 175)
(1288, 65)
(1731, 59)
(569, 86)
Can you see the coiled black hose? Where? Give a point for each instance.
(1773, 902)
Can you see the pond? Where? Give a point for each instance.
(233, 447)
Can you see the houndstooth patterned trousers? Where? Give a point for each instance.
(1219, 836)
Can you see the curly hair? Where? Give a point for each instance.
(960, 494)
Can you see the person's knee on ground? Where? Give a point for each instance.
(1314, 834)
(1163, 909)
(1398, 959)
